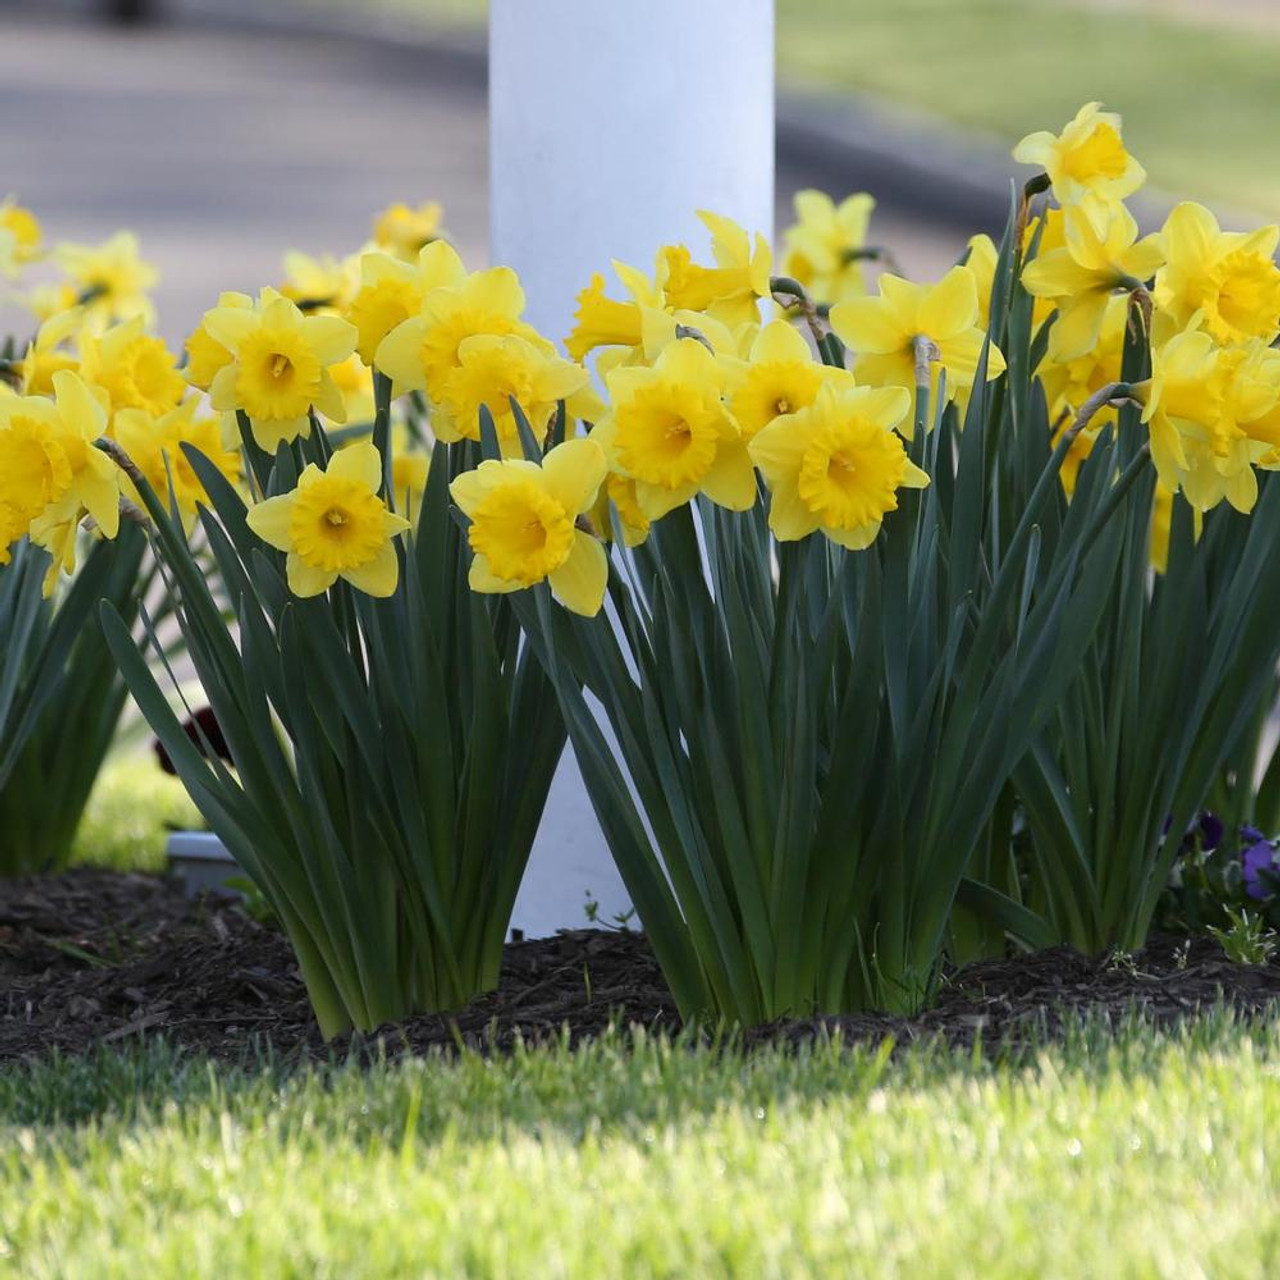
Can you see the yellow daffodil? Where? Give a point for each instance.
(403, 230)
(778, 376)
(1081, 276)
(524, 524)
(280, 369)
(601, 321)
(421, 354)
(1087, 163)
(112, 279)
(134, 368)
(334, 525)
(392, 290)
(155, 446)
(491, 372)
(837, 466)
(883, 332)
(1210, 414)
(206, 357)
(49, 467)
(823, 246)
(20, 237)
(46, 355)
(670, 432)
(1227, 278)
(729, 290)
(323, 283)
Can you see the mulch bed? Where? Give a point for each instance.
(96, 958)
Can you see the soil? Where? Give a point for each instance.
(95, 958)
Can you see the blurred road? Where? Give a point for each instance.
(222, 149)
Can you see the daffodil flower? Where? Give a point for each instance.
(524, 526)
(823, 246)
(392, 291)
(837, 466)
(280, 369)
(403, 230)
(729, 290)
(1211, 414)
(154, 444)
(1081, 276)
(49, 467)
(421, 353)
(884, 330)
(1227, 278)
(136, 369)
(334, 525)
(671, 433)
(111, 277)
(1086, 163)
(778, 376)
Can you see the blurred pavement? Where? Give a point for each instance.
(223, 148)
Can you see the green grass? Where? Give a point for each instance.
(1200, 101)
(1129, 1156)
(130, 813)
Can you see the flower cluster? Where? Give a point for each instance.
(93, 371)
(708, 391)
(1220, 868)
(1209, 300)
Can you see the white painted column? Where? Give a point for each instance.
(611, 123)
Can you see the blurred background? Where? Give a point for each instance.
(227, 131)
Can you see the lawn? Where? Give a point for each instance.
(1127, 1156)
(133, 808)
(1200, 101)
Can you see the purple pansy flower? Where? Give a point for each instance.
(1211, 831)
(1256, 858)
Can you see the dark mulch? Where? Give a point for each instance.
(93, 958)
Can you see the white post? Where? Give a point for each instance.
(611, 123)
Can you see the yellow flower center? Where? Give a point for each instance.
(279, 376)
(667, 435)
(1100, 154)
(440, 343)
(1242, 298)
(143, 376)
(337, 524)
(770, 390)
(493, 379)
(523, 532)
(850, 473)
